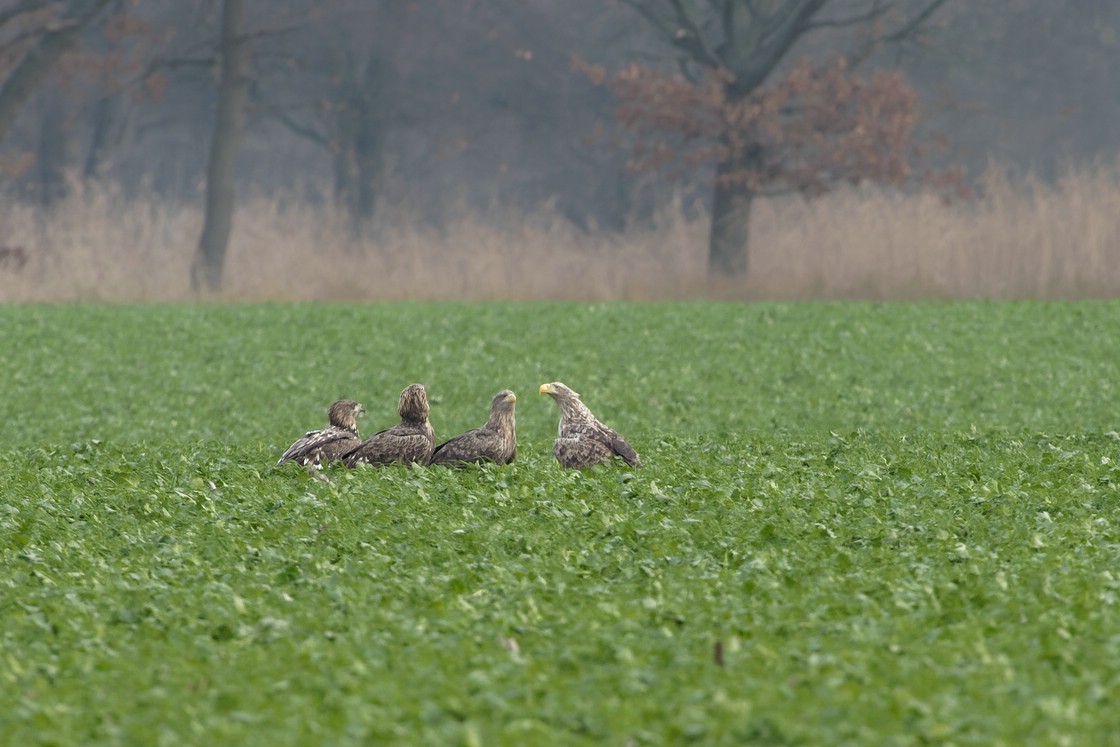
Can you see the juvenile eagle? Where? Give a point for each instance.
(496, 441)
(584, 441)
(411, 440)
(331, 443)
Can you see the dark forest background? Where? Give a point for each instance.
(419, 110)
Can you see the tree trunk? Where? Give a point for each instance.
(35, 65)
(106, 134)
(368, 152)
(729, 237)
(209, 260)
(50, 152)
(359, 162)
(358, 168)
(354, 183)
(349, 175)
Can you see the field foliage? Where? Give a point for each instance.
(857, 524)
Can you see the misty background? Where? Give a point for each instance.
(417, 113)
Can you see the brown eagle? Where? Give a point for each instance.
(331, 443)
(495, 441)
(411, 440)
(584, 441)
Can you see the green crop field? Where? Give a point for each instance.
(856, 524)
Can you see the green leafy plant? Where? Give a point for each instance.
(887, 524)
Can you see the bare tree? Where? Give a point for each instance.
(107, 122)
(51, 150)
(348, 95)
(53, 38)
(350, 119)
(117, 59)
(745, 41)
(235, 54)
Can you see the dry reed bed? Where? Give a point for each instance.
(1026, 240)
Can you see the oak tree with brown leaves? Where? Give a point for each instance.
(819, 125)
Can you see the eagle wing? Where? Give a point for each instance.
(467, 447)
(396, 444)
(577, 452)
(587, 444)
(477, 445)
(621, 448)
(321, 446)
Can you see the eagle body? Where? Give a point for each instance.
(582, 441)
(331, 443)
(411, 440)
(496, 441)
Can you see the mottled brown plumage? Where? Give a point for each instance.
(331, 443)
(496, 441)
(411, 440)
(583, 441)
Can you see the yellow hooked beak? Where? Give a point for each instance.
(545, 389)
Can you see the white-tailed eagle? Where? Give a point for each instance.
(331, 443)
(496, 441)
(583, 441)
(411, 440)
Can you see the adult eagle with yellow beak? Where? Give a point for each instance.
(583, 441)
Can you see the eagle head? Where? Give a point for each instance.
(414, 403)
(503, 400)
(558, 391)
(344, 414)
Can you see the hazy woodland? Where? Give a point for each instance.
(451, 150)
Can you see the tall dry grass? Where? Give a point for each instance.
(1028, 239)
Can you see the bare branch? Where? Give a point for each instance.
(35, 65)
(689, 38)
(20, 38)
(877, 10)
(27, 6)
(173, 63)
(275, 31)
(161, 64)
(907, 29)
(644, 11)
(727, 16)
(681, 31)
(156, 124)
(784, 28)
(903, 32)
(690, 74)
(778, 35)
(282, 117)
